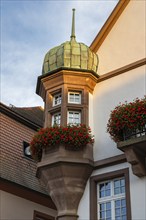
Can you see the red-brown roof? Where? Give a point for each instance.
(18, 125)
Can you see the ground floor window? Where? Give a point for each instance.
(110, 196)
(111, 199)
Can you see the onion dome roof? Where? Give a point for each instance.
(70, 54)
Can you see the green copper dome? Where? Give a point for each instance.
(70, 54)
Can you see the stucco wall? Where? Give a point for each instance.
(16, 208)
(137, 194)
(126, 41)
(107, 95)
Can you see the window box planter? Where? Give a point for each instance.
(73, 137)
(127, 127)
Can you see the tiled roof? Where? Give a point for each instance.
(14, 166)
(33, 114)
(30, 116)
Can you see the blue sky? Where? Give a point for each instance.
(29, 28)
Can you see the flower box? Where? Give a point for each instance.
(138, 132)
(127, 127)
(73, 138)
(127, 119)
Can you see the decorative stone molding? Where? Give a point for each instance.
(64, 173)
(135, 151)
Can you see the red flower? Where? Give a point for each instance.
(75, 136)
(127, 116)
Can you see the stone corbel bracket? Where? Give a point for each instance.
(135, 152)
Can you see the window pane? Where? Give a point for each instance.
(74, 97)
(108, 214)
(117, 211)
(74, 117)
(105, 211)
(56, 119)
(57, 99)
(124, 217)
(102, 215)
(117, 191)
(108, 205)
(123, 189)
(123, 202)
(120, 209)
(118, 218)
(116, 183)
(104, 189)
(117, 203)
(119, 186)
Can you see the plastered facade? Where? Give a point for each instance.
(126, 42)
(107, 95)
(24, 209)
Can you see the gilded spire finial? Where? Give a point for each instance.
(73, 37)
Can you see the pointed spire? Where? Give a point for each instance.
(73, 37)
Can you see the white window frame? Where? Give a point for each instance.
(112, 198)
(57, 99)
(58, 114)
(74, 113)
(74, 97)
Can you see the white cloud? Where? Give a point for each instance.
(30, 29)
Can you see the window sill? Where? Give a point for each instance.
(135, 152)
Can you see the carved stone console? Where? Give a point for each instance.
(135, 151)
(64, 173)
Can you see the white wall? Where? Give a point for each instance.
(137, 194)
(124, 45)
(15, 208)
(107, 95)
(126, 41)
